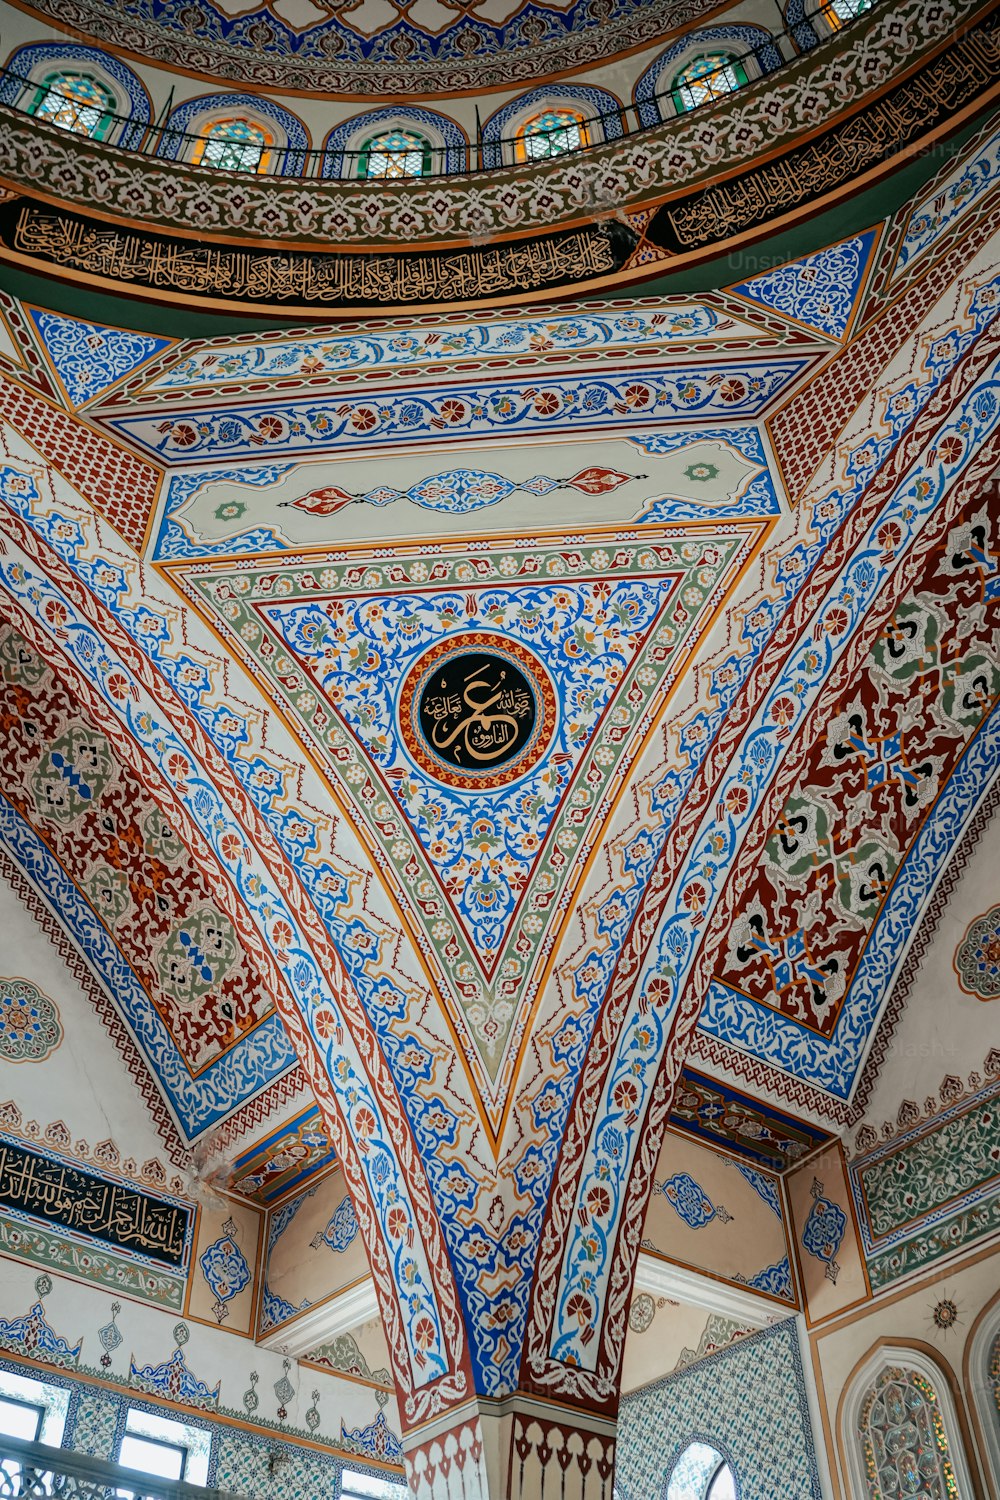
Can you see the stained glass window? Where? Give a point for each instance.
(550, 133)
(903, 1441)
(706, 78)
(837, 12)
(395, 153)
(701, 1473)
(234, 144)
(75, 101)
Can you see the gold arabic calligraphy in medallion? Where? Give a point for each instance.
(477, 711)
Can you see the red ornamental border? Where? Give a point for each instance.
(598, 1386)
(415, 740)
(416, 1404)
(960, 494)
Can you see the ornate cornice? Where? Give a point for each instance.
(769, 154)
(397, 62)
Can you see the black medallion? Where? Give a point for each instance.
(477, 711)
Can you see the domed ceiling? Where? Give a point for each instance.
(379, 47)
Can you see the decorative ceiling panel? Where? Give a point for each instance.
(592, 635)
(357, 421)
(380, 48)
(719, 1114)
(79, 820)
(281, 1162)
(854, 853)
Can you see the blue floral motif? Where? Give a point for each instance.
(776, 1279)
(89, 357)
(569, 403)
(31, 1334)
(820, 290)
(946, 203)
(309, 356)
(482, 845)
(276, 1309)
(823, 1231)
(765, 1187)
(226, 1271)
(342, 1228)
(377, 1440)
(690, 1201)
(174, 1380)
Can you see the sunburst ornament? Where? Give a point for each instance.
(945, 1314)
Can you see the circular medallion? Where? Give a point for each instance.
(977, 960)
(642, 1312)
(29, 1022)
(477, 711)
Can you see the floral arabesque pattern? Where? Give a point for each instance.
(482, 845)
(977, 958)
(29, 1022)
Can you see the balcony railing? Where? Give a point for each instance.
(25, 96)
(29, 1471)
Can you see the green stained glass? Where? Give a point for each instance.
(395, 153)
(74, 101)
(551, 133)
(712, 76)
(840, 11)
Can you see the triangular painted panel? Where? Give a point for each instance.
(820, 290)
(88, 357)
(482, 845)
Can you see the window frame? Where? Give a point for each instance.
(47, 86)
(370, 147)
(154, 1442)
(524, 132)
(734, 64)
(205, 138)
(39, 1410)
(889, 1356)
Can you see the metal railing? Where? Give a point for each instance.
(33, 1471)
(158, 139)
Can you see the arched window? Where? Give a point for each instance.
(234, 144)
(75, 101)
(838, 12)
(708, 77)
(900, 1432)
(395, 153)
(983, 1365)
(903, 1439)
(550, 133)
(701, 1473)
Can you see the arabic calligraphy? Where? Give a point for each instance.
(261, 276)
(840, 155)
(477, 711)
(86, 1204)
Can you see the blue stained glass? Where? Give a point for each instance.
(74, 101)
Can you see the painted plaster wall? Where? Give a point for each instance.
(907, 1319)
(749, 1400)
(720, 1215)
(257, 1395)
